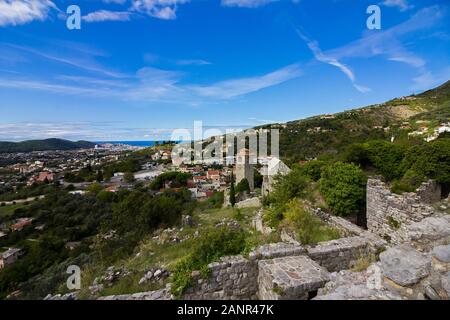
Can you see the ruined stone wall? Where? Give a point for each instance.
(232, 278)
(388, 214)
(339, 254)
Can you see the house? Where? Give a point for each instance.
(199, 179)
(213, 175)
(112, 189)
(21, 223)
(9, 257)
(45, 176)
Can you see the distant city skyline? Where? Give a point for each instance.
(139, 69)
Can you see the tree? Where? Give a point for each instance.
(128, 177)
(94, 188)
(232, 191)
(288, 187)
(99, 176)
(243, 186)
(343, 187)
(386, 157)
(258, 178)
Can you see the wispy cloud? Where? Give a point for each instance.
(386, 43)
(403, 5)
(162, 9)
(153, 85)
(196, 62)
(428, 79)
(14, 12)
(320, 56)
(105, 15)
(237, 87)
(82, 61)
(246, 3)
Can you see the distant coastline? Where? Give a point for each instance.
(133, 143)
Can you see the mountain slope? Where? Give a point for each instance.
(328, 134)
(43, 145)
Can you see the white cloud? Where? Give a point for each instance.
(162, 9)
(403, 5)
(427, 80)
(13, 12)
(115, 1)
(246, 3)
(105, 15)
(196, 62)
(387, 44)
(320, 56)
(152, 85)
(82, 60)
(237, 87)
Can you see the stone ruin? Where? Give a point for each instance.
(414, 261)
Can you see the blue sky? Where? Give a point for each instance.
(139, 68)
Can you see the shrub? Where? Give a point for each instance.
(215, 201)
(237, 215)
(128, 177)
(386, 158)
(399, 187)
(343, 188)
(273, 216)
(288, 187)
(243, 186)
(94, 188)
(209, 247)
(313, 169)
(309, 229)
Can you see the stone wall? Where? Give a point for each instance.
(339, 254)
(388, 214)
(231, 278)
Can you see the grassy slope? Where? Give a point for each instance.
(167, 255)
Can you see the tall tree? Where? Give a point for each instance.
(232, 192)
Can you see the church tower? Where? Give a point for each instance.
(244, 169)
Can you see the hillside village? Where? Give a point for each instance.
(360, 212)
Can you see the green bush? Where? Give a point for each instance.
(243, 186)
(288, 187)
(209, 247)
(309, 228)
(343, 188)
(386, 158)
(313, 169)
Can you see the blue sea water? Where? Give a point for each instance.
(133, 143)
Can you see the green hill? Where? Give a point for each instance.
(328, 134)
(43, 145)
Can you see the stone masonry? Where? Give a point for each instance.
(290, 278)
(388, 214)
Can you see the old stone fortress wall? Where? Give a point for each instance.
(414, 256)
(410, 236)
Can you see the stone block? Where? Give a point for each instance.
(404, 265)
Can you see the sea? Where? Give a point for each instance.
(133, 143)
(130, 143)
